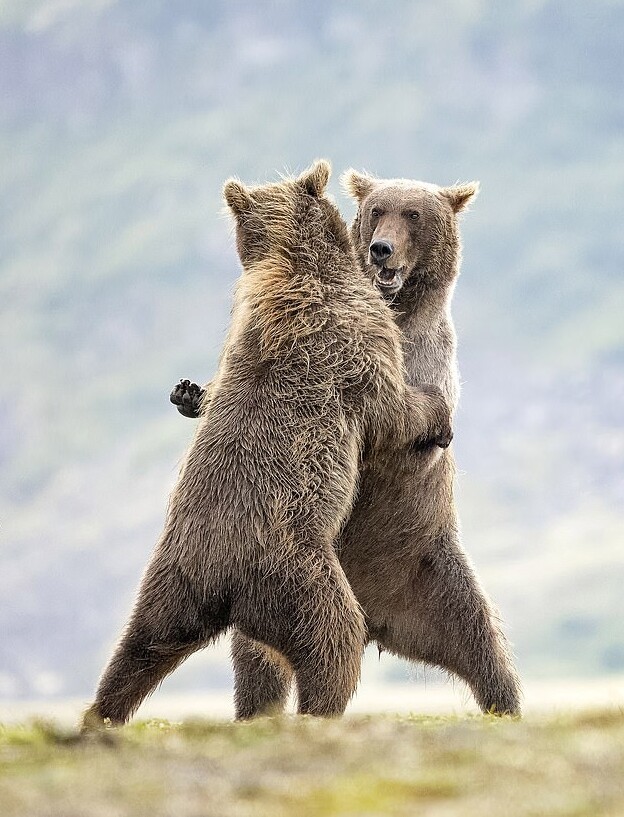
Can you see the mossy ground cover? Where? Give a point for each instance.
(377, 765)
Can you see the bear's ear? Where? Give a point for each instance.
(237, 197)
(459, 195)
(315, 178)
(357, 185)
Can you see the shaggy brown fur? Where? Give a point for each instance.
(401, 549)
(312, 371)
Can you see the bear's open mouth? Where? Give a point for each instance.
(388, 280)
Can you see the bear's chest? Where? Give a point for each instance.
(430, 358)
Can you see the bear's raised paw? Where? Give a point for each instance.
(187, 398)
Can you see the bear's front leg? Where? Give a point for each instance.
(427, 417)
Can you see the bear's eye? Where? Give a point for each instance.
(375, 212)
(414, 215)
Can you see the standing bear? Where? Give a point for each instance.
(311, 374)
(401, 549)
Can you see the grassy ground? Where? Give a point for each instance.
(300, 767)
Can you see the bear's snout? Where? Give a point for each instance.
(380, 251)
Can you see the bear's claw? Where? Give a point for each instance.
(444, 440)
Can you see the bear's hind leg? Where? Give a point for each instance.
(262, 678)
(328, 645)
(310, 616)
(168, 623)
(449, 622)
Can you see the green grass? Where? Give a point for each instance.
(376, 765)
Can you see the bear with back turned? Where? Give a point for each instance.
(401, 549)
(311, 374)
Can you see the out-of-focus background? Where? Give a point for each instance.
(120, 121)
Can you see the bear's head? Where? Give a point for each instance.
(405, 232)
(287, 221)
(292, 243)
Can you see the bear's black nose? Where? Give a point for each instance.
(380, 251)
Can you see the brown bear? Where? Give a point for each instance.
(311, 373)
(401, 549)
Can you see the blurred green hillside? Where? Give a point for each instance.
(119, 123)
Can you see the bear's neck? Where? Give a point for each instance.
(423, 313)
(419, 306)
